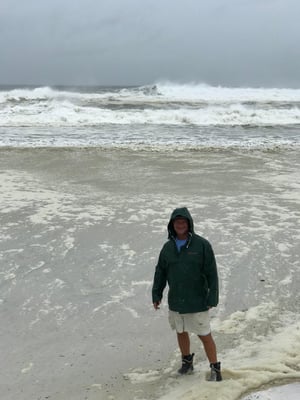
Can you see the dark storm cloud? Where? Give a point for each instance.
(232, 42)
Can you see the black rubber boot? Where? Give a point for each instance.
(187, 364)
(215, 372)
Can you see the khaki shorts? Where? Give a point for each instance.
(197, 323)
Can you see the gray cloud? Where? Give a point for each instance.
(232, 42)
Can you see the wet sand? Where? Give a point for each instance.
(80, 234)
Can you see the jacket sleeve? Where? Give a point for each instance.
(211, 273)
(160, 280)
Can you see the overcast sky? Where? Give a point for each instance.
(133, 42)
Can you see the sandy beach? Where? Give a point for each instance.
(80, 233)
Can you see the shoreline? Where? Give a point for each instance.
(159, 148)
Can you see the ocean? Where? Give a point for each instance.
(154, 116)
(89, 177)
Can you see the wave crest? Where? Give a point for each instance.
(162, 103)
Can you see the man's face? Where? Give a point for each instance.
(181, 227)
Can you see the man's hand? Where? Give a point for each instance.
(156, 305)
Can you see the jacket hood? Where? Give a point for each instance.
(180, 212)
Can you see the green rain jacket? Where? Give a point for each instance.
(191, 274)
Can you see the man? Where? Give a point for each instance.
(187, 263)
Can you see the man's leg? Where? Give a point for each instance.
(184, 343)
(187, 358)
(211, 352)
(209, 347)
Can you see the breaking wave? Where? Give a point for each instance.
(160, 104)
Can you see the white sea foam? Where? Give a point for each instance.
(27, 369)
(59, 269)
(66, 114)
(161, 104)
(159, 92)
(220, 94)
(247, 367)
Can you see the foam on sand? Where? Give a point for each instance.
(80, 234)
(251, 365)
